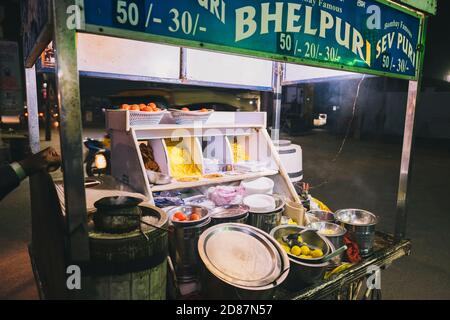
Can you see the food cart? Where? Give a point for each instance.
(377, 37)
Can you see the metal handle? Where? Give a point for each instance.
(334, 254)
(152, 225)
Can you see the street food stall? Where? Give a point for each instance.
(199, 203)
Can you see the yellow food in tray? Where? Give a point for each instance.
(239, 153)
(180, 161)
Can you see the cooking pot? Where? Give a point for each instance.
(118, 214)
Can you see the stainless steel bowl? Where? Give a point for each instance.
(356, 217)
(188, 210)
(310, 237)
(319, 215)
(301, 274)
(333, 232)
(360, 225)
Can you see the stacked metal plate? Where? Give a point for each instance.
(241, 262)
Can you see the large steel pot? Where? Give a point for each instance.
(240, 262)
(183, 239)
(360, 225)
(266, 221)
(301, 274)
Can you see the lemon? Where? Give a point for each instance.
(286, 248)
(296, 251)
(317, 253)
(305, 251)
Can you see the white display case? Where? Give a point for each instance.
(212, 139)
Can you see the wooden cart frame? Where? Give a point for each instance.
(68, 90)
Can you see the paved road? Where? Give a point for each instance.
(365, 176)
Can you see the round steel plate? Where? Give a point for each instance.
(241, 255)
(231, 211)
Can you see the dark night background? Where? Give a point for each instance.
(437, 58)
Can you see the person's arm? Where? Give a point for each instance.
(11, 175)
(9, 179)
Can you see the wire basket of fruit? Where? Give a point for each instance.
(186, 116)
(144, 114)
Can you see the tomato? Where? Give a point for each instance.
(180, 216)
(147, 109)
(194, 217)
(185, 109)
(204, 110)
(125, 107)
(152, 105)
(135, 107)
(142, 107)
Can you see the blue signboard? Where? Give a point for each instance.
(370, 36)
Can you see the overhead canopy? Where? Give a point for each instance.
(161, 63)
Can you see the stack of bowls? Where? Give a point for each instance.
(261, 185)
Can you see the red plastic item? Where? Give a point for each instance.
(352, 250)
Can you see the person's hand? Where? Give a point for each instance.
(47, 160)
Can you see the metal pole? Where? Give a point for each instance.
(46, 107)
(183, 64)
(70, 132)
(32, 109)
(405, 166)
(408, 140)
(277, 78)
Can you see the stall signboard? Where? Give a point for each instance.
(369, 36)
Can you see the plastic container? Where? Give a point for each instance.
(261, 185)
(143, 118)
(260, 203)
(190, 117)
